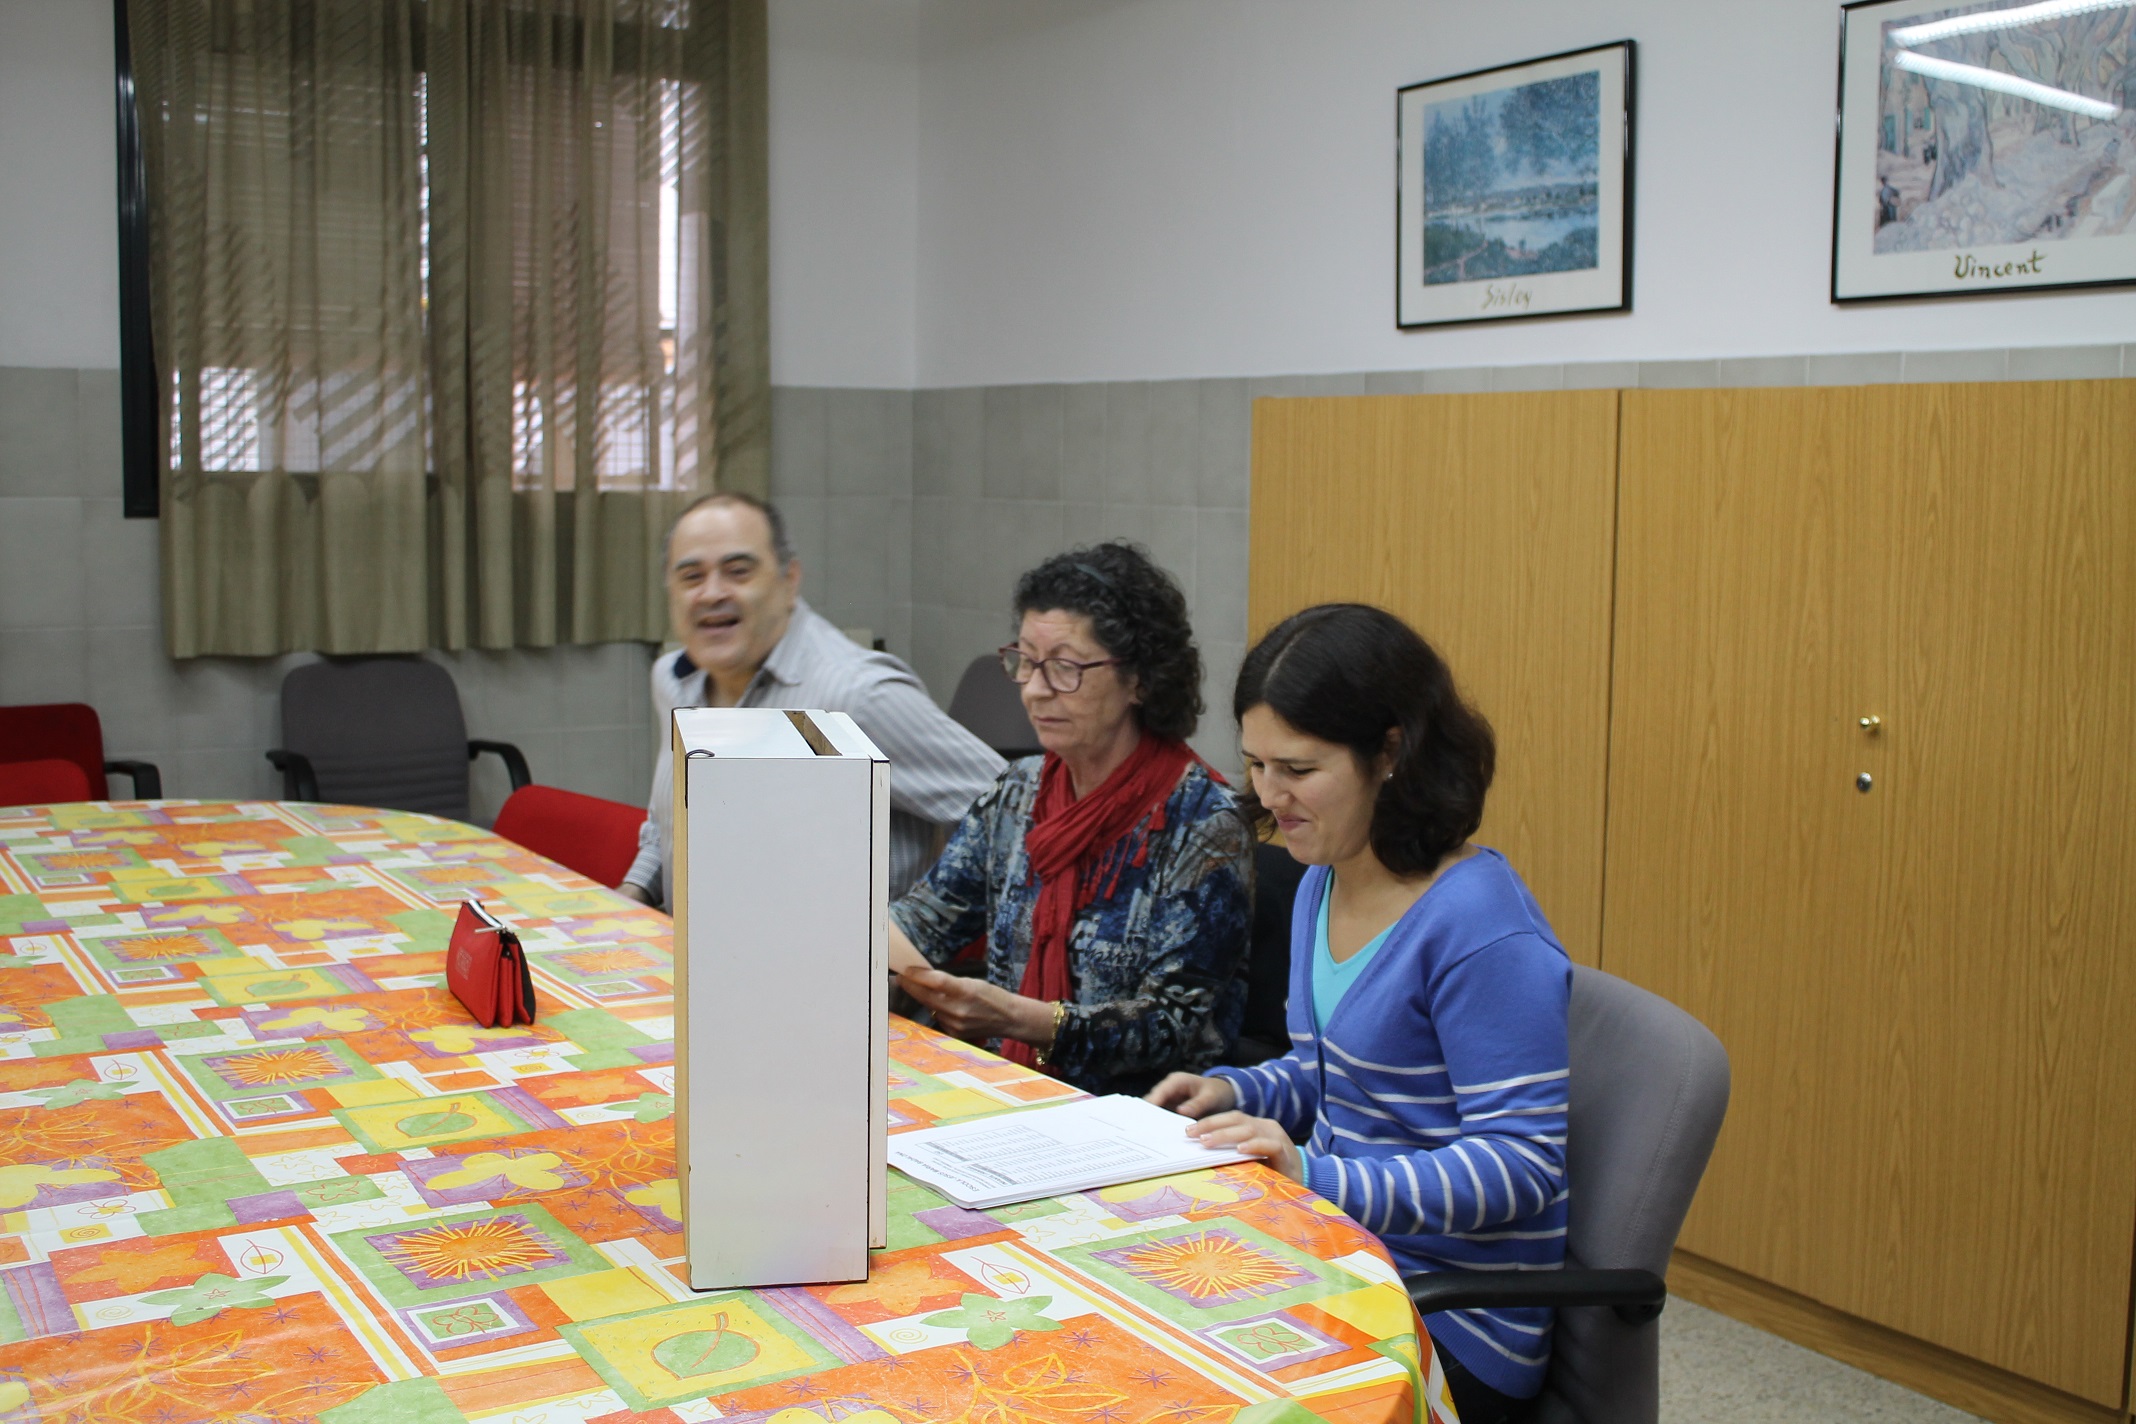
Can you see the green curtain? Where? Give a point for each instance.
(455, 303)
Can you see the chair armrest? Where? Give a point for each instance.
(515, 765)
(299, 783)
(147, 781)
(1637, 1295)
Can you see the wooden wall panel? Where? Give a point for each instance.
(1924, 989)
(1487, 522)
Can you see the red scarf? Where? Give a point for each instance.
(1078, 849)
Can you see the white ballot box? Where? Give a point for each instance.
(782, 860)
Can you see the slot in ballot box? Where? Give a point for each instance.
(782, 861)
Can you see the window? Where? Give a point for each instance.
(645, 425)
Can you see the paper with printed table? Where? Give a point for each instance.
(1050, 1151)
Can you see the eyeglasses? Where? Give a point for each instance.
(1061, 674)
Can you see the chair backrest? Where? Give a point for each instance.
(1265, 1032)
(988, 705)
(47, 781)
(67, 730)
(1649, 1089)
(380, 732)
(596, 837)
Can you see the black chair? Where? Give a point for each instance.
(380, 732)
(988, 705)
(1265, 1033)
(1649, 1090)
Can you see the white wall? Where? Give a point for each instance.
(994, 191)
(1136, 189)
(844, 89)
(59, 227)
(844, 191)
(79, 606)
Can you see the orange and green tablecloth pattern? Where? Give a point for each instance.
(257, 1164)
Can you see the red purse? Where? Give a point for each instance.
(487, 970)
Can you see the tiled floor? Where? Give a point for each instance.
(1720, 1371)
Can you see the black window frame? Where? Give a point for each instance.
(140, 390)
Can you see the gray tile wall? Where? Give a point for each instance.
(841, 472)
(913, 513)
(1001, 476)
(80, 621)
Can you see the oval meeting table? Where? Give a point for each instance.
(257, 1163)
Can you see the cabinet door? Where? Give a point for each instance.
(1486, 522)
(1923, 987)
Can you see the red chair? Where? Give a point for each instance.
(41, 783)
(595, 837)
(71, 732)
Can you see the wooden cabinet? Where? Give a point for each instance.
(1486, 521)
(1680, 605)
(1924, 986)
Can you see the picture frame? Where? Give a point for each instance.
(1984, 147)
(1513, 190)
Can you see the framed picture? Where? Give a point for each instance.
(1513, 190)
(1984, 147)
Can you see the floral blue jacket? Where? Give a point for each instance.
(1159, 967)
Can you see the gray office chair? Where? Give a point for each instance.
(989, 706)
(1649, 1089)
(380, 732)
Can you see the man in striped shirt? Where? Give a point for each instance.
(748, 640)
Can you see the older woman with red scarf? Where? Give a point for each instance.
(1110, 876)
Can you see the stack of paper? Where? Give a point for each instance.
(1051, 1151)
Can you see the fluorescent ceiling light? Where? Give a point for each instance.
(1999, 20)
(1995, 79)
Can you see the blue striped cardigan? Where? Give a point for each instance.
(1433, 1111)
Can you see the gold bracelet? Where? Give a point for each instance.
(1060, 1016)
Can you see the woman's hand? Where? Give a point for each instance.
(975, 1010)
(1213, 1100)
(1261, 1137)
(1192, 1095)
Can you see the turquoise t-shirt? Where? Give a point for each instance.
(1331, 980)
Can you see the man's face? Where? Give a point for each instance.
(727, 596)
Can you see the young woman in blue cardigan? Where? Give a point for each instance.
(1425, 1089)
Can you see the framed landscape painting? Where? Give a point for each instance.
(1513, 190)
(1984, 147)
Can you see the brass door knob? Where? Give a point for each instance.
(1872, 725)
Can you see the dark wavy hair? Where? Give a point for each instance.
(1139, 616)
(1349, 673)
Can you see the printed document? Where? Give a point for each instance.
(1051, 1151)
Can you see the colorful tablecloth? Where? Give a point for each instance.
(257, 1164)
